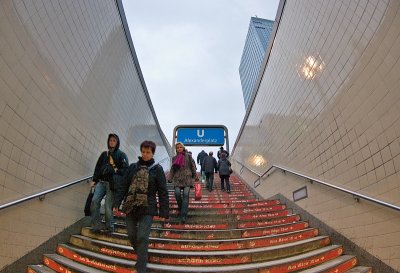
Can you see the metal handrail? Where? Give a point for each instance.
(256, 173)
(355, 195)
(164, 159)
(42, 194)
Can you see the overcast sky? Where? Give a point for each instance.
(189, 53)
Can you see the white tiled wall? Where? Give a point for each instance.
(67, 79)
(329, 106)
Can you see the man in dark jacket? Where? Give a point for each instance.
(221, 150)
(140, 219)
(224, 169)
(209, 165)
(200, 158)
(109, 167)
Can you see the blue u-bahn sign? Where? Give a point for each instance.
(201, 136)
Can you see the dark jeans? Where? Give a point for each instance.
(182, 198)
(226, 179)
(210, 180)
(139, 227)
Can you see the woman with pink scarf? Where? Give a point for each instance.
(182, 174)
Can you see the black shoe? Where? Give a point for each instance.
(109, 230)
(96, 230)
(222, 189)
(228, 191)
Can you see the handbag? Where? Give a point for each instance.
(197, 191)
(89, 202)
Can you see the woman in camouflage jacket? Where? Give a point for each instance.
(182, 174)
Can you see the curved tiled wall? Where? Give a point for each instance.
(328, 105)
(68, 77)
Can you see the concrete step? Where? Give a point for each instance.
(39, 269)
(303, 261)
(340, 264)
(229, 234)
(186, 257)
(360, 269)
(62, 264)
(217, 200)
(205, 234)
(89, 240)
(230, 217)
(217, 191)
(227, 205)
(195, 218)
(285, 265)
(229, 225)
(231, 211)
(216, 233)
(120, 226)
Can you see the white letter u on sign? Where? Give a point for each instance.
(198, 133)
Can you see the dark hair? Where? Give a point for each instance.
(148, 144)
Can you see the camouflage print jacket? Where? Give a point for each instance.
(183, 177)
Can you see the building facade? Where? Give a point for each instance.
(253, 54)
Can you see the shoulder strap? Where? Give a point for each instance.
(149, 167)
(111, 161)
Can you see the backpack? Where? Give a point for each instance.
(224, 167)
(137, 193)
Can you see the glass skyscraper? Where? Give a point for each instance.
(253, 55)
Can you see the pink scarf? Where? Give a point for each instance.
(179, 160)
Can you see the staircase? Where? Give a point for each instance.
(233, 232)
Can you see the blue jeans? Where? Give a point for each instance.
(182, 200)
(139, 227)
(102, 189)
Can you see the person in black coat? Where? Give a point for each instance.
(224, 169)
(110, 166)
(220, 151)
(209, 166)
(200, 158)
(139, 220)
